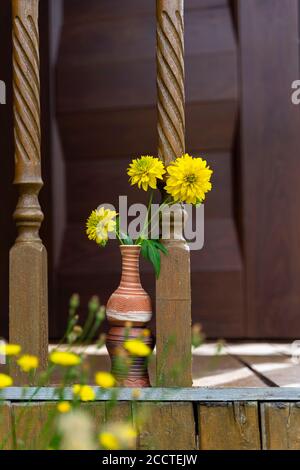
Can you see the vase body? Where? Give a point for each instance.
(128, 311)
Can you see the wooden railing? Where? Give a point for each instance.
(28, 304)
(28, 315)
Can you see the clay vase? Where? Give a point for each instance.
(128, 311)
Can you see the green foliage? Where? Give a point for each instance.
(151, 250)
(123, 237)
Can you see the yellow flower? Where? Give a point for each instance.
(64, 358)
(86, 393)
(64, 407)
(10, 349)
(105, 379)
(146, 333)
(118, 436)
(5, 381)
(145, 171)
(99, 224)
(109, 441)
(188, 179)
(136, 393)
(76, 389)
(137, 348)
(28, 362)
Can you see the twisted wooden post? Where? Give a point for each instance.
(173, 291)
(28, 315)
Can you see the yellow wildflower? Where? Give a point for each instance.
(86, 393)
(136, 393)
(188, 179)
(105, 379)
(76, 389)
(99, 224)
(64, 407)
(145, 171)
(146, 333)
(137, 348)
(108, 441)
(64, 358)
(5, 381)
(10, 349)
(28, 362)
(118, 436)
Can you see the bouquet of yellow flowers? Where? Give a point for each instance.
(185, 180)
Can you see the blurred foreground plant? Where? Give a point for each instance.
(72, 420)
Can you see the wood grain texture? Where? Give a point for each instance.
(106, 87)
(155, 394)
(34, 425)
(228, 426)
(76, 11)
(167, 426)
(173, 292)
(28, 258)
(270, 159)
(280, 426)
(6, 428)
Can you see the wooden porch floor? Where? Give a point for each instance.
(236, 364)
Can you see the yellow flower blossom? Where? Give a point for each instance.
(64, 407)
(118, 436)
(145, 171)
(136, 393)
(76, 389)
(87, 393)
(28, 362)
(10, 349)
(5, 381)
(105, 379)
(64, 358)
(99, 224)
(188, 179)
(137, 348)
(146, 333)
(108, 441)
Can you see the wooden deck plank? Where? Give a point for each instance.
(6, 428)
(277, 368)
(165, 426)
(118, 412)
(193, 394)
(222, 371)
(280, 426)
(30, 423)
(229, 426)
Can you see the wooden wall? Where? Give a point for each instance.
(231, 422)
(106, 111)
(241, 57)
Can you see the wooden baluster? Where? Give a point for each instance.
(28, 315)
(173, 292)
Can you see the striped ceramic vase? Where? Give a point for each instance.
(128, 311)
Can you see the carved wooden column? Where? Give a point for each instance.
(173, 291)
(28, 315)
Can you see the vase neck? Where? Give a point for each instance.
(130, 266)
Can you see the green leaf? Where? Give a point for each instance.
(151, 250)
(126, 240)
(144, 249)
(154, 257)
(160, 246)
